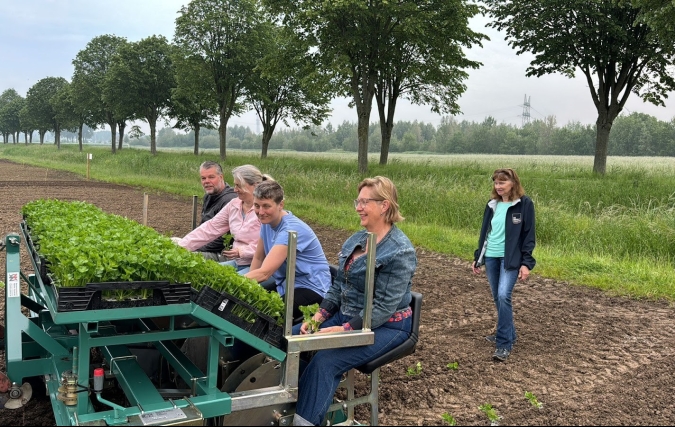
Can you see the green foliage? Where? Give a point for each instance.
(82, 244)
(414, 370)
(533, 400)
(449, 419)
(490, 412)
(453, 365)
(308, 312)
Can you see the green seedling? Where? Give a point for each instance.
(449, 419)
(414, 370)
(308, 312)
(453, 365)
(227, 241)
(491, 413)
(533, 400)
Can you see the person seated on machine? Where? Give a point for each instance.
(312, 273)
(237, 218)
(342, 308)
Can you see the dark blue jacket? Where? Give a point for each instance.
(211, 206)
(519, 230)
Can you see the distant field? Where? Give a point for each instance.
(615, 232)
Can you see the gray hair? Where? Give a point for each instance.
(250, 175)
(211, 164)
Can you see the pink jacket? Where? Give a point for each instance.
(245, 230)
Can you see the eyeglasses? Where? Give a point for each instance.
(364, 202)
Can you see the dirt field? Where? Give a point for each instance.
(590, 358)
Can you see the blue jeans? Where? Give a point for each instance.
(241, 269)
(321, 377)
(501, 283)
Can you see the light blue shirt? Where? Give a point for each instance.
(497, 237)
(311, 265)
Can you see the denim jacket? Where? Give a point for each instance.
(395, 264)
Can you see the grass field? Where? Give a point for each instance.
(615, 232)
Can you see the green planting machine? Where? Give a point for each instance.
(108, 363)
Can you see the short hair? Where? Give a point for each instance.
(211, 164)
(508, 174)
(250, 175)
(269, 190)
(384, 189)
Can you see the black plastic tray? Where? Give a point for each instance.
(91, 296)
(263, 326)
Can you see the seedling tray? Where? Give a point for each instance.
(206, 297)
(91, 296)
(263, 326)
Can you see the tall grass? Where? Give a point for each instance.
(615, 232)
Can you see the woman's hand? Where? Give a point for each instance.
(524, 273)
(476, 270)
(305, 328)
(231, 253)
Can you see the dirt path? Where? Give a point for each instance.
(591, 359)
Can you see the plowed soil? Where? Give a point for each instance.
(588, 357)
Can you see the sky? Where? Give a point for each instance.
(40, 38)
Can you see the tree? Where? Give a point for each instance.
(605, 39)
(41, 110)
(92, 64)
(139, 83)
(348, 36)
(11, 104)
(424, 60)
(65, 112)
(194, 102)
(286, 84)
(224, 33)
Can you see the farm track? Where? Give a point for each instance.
(590, 358)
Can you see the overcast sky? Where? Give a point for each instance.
(40, 38)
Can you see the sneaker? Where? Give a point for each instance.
(501, 354)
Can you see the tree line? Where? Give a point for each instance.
(287, 60)
(636, 134)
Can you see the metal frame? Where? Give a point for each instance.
(48, 343)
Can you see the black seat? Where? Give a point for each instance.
(407, 347)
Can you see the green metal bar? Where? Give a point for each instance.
(137, 387)
(238, 333)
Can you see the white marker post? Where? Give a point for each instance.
(89, 157)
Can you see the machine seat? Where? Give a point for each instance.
(407, 347)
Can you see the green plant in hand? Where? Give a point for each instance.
(227, 241)
(533, 400)
(449, 419)
(308, 312)
(490, 412)
(414, 370)
(453, 365)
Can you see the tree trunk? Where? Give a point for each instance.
(386, 124)
(196, 128)
(120, 126)
(13, 138)
(222, 132)
(268, 130)
(42, 136)
(153, 136)
(25, 137)
(113, 135)
(79, 136)
(603, 125)
(57, 136)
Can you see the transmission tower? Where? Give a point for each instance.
(526, 110)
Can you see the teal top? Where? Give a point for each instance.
(497, 236)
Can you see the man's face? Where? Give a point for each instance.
(212, 181)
